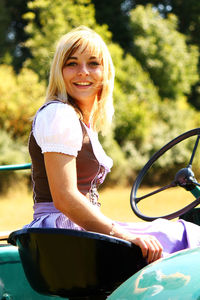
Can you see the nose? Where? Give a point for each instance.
(83, 70)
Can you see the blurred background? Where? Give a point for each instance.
(155, 50)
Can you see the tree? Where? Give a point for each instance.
(163, 52)
(4, 24)
(189, 22)
(136, 102)
(116, 15)
(12, 33)
(187, 13)
(21, 96)
(11, 152)
(48, 21)
(135, 98)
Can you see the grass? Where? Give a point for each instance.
(16, 207)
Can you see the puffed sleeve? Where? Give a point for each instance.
(57, 129)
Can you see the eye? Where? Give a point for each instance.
(70, 63)
(94, 63)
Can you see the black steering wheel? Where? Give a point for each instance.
(184, 178)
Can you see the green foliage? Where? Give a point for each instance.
(133, 123)
(120, 170)
(172, 120)
(11, 152)
(136, 101)
(4, 23)
(12, 33)
(21, 96)
(48, 21)
(186, 11)
(116, 16)
(118, 19)
(163, 52)
(135, 98)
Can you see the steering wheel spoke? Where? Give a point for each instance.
(194, 151)
(173, 184)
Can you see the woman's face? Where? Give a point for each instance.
(83, 75)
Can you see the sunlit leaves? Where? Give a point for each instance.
(163, 52)
(21, 96)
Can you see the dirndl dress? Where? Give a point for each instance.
(173, 235)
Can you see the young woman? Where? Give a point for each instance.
(68, 162)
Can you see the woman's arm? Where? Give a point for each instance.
(62, 177)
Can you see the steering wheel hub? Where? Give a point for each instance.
(185, 178)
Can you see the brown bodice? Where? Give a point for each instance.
(89, 172)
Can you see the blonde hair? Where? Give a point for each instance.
(84, 38)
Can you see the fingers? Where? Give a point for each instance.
(155, 250)
(150, 246)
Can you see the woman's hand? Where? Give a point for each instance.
(150, 246)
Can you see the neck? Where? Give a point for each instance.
(86, 109)
(86, 117)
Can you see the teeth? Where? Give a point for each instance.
(83, 83)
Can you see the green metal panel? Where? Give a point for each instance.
(176, 277)
(13, 283)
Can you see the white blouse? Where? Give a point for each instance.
(57, 128)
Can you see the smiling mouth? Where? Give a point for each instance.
(82, 83)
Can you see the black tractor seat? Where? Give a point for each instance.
(75, 264)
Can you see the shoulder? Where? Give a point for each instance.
(57, 110)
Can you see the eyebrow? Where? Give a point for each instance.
(74, 57)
